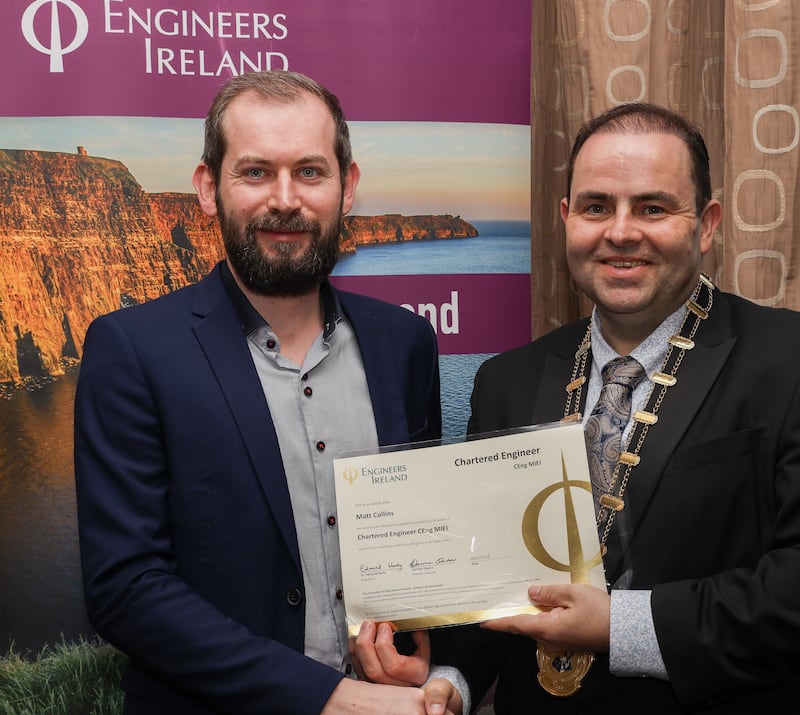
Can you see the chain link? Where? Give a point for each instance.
(691, 322)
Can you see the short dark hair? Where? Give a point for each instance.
(280, 86)
(644, 118)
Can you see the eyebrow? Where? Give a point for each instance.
(311, 159)
(662, 196)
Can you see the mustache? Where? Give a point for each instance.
(279, 223)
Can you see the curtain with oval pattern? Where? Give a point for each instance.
(729, 65)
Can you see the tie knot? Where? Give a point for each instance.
(623, 371)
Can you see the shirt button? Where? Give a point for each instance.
(294, 596)
(339, 594)
(271, 344)
(305, 376)
(307, 391)
(331, 520)
(320, 446)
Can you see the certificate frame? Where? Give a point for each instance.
(453, 533)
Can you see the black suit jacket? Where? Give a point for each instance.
(188, 544)
(712, 519)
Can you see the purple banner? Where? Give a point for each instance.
(476, 313)
(394, 61)
(100, 131)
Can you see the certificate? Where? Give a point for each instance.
(455, 533)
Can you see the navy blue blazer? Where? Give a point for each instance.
(712, 519)
(188, 546)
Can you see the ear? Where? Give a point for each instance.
(709, 221)
(206, 189)
(349, 190)
(564, 209)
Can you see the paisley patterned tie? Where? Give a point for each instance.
(604, 427)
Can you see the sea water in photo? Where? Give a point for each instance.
(500, 247)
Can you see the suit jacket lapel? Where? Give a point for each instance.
(220, 335)
(552, 388)
(551, 394)
(696, 375)
(388, 404)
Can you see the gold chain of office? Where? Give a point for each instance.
(661, 381)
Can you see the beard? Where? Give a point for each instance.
(285, 269)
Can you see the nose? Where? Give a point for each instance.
(283, 195)
(622, 226)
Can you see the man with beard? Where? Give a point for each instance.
(206, 422)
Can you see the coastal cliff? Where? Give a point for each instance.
(79, 237)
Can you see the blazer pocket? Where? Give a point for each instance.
(732, 448)
(701, 487)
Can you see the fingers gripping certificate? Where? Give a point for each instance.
(455, 533)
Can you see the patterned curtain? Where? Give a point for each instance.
(731, 66)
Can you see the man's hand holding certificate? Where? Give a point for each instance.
(456, 533)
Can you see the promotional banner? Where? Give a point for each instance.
(101, 127)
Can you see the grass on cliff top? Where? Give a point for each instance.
(79, 678)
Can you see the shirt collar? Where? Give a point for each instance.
(649, 353)
(251, 320)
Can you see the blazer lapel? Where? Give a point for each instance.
(696, 375)
(388, 403)
(551, 395)
(552, 388)
(220, 335)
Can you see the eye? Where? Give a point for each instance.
(596, 209)
(255, 173)
(653, 210)
(309, 172)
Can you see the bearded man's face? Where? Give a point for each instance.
(280, 268)
(279, 193)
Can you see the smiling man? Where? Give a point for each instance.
(698, 501)
(207, 421)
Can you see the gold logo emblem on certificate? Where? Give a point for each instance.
(560, 674)
(350, 474)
